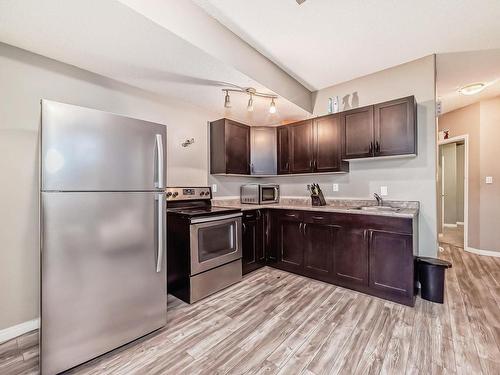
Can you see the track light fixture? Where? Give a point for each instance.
(251, 92)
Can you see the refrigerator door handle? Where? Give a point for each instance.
(161, 215)
(159, 146)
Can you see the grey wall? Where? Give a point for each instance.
(406, 178)
(25, 78)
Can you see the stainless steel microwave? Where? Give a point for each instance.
(260, 193)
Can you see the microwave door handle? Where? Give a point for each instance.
(276, 193)
(160, 178)
(159, 250)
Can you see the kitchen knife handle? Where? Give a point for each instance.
(161, 215)
(160, 184)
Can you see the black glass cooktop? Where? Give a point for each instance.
(202, 211)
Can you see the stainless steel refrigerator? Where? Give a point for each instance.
(102, 239)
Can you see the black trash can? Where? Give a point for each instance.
(431, 277)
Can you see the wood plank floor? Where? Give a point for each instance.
(278, 323)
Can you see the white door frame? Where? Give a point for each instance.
(461, 138)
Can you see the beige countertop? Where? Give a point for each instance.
(406, 209)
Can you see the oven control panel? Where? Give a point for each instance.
(188, 193)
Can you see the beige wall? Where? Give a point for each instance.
(481, 121)
(449, 153)
(25, 78)
(406, 178)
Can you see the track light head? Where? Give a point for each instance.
(227, 100)
(272, 107)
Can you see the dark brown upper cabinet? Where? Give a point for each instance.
(229, 147)
(395, 127)
(283, 150)
(301, 147)
(327, 153)
(385, 129)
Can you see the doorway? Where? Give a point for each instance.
(452, 181)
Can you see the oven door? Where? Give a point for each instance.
(269, 194)
(215, 241)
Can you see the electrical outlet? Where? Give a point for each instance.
(335, 187)
(383, 191)
(214, 188)
(489, 179)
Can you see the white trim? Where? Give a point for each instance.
(449, 225)
(20, 329)
(465, 139)
(490, 253)
(460, 223)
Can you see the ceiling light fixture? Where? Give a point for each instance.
(251, 92)
(272, 107)
(473, 88)
(227, 100)
(250, 104)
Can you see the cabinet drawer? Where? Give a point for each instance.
(297, 215)
(251, 215)
(317, 217)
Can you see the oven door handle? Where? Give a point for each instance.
(215, 218)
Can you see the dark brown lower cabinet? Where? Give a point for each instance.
(351, 257)
(290, 254)
(391, 263)
(253, 241)
(370, 254)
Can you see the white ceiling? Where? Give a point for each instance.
(455, 70)
(109, 38)
(325, 42)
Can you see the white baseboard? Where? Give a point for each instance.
(460, 223)
(18, 330)
(490, 253)
(450, 225)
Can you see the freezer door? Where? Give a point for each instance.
(88, 150)
(103, 273)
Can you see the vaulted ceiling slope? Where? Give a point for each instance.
(111, 39)
(325, 42)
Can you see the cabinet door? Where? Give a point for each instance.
(237, 139)
(327, 144)
(283, 150)
(263, 150)
(301, 153)
(290, 243)
(320, 243)
(395, 127)
(391, 262)
(358, 133)
(350, 261)
(252, 241)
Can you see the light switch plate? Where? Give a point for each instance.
(383, 191)
(335, 187)
(214, 188)
(489, 179)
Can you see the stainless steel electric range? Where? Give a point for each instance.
(204, 244)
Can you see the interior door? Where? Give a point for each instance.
(103, 273)
(88, 150)
(301, 155)
(358, 133)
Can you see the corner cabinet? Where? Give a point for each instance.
(229, 147)
(385, 129)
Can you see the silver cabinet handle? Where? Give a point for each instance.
(160, 184)
(161, 215)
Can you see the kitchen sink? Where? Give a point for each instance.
(378, 208)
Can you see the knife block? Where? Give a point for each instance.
(318, 199)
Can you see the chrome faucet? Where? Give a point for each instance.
(380, 201)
